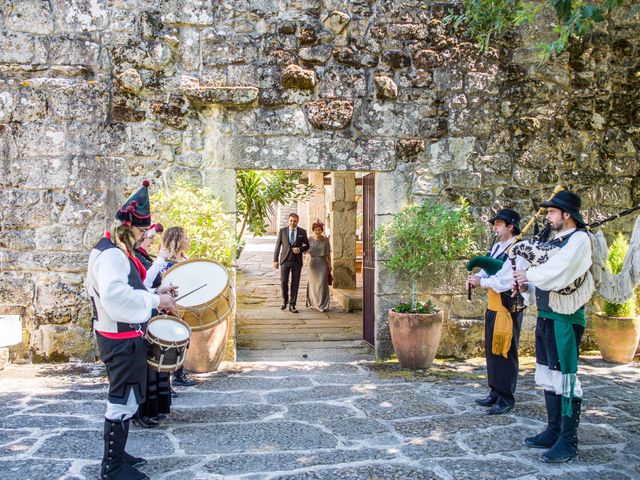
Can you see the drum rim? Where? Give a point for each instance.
(170, 317)
(191, 260)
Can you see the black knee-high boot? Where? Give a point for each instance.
(566, 447)
(114, 462)
(548, 437)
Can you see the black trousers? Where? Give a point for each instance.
(502, 373)
(293, 269)
(126, 362)
(546, 349)
(158, 394)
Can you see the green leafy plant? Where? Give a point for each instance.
(203, 218)
(427, 307)
(423, 234)
(258, 191)
(617, 252)
(485, 20)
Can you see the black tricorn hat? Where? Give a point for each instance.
(569, 202)
(136, 210)
(510, 216)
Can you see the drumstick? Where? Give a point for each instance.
(189, 293)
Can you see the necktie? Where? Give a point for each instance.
(291, 239)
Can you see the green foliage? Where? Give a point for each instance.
(617, 252)
(487, 19)
(427, 307)
(421, 235)
(257, 191)
(203, 218)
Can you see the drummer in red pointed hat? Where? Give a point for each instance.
(122, 306)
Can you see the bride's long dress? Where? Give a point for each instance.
(318, 286)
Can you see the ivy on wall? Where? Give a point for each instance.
(485, 20)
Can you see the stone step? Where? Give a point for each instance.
(250, 338)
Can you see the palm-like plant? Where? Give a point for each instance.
(258, 191)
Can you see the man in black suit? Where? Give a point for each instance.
(292, 242)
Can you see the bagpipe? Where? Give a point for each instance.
(538, 250)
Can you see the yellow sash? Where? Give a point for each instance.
(503, 326)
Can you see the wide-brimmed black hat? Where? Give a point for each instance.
(510, 216)
(569, 202)
(136, 210)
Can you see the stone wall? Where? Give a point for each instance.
(96, 95)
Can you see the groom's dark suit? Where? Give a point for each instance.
(290, 262)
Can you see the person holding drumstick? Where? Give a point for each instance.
(175, 244)
(122, 304)
(157, 403)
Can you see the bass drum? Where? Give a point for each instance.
(212, 298)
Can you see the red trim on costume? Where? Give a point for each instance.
(121, 335)
(141, 270)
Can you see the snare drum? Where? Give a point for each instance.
(212, 302)
(168, 339)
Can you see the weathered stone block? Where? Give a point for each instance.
(31, 16)
(226, 96)
(394, 119)
(409, 147)
(396, 59)
(186, 12)
(386, 88)
(337, 21)
(353, 56)
(395, 186)
(316, 55)
(447, 80)
(461, 338)
(23, 105)
(60, 238)
(333, 115)
(294, 76)
(461, 307)
(451, 154)
(19, 240)
(408, 31)
(337, 81)
(67, 51)
(16, 289)
(72, 15)
(130, 80)
(279, 121)
(172, 114)
(62, 342)
(40, 140)
(481, 83)
(80, 102)
(428, 59)
(16, 47)
(214, 53)
(4, 357)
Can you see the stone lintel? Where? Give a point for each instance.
(225, 96)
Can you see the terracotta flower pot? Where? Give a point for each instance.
(617, 337)
(415, 337)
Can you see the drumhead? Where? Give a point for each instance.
(168, 330)
(193, 273)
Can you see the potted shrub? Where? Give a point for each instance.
(417, 238)
(617, 327)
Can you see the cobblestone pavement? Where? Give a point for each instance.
(318, 421)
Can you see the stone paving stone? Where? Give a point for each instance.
(589, 434)
(73, 395)
(369, 472)
(632, 408)
(37, 469)
(418, 449)
(88, 444)
(356, 428)
(196, 398)
(318, 411)
(504, 439)
(450, 425)
(9, 436)
(589, 475)
(396, 405)
(270, 462)
(222, 414)
(45, 422)
(267, 369)
(17, 448)
(325, 392)
(267, 436)
(72, 408)
(254, 383)
(485, 469)
(154, 468)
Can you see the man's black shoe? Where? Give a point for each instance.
(181, 378)
(144, 422)
(487, 401)
(293, 309)
(498, 409)
(283, 306)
